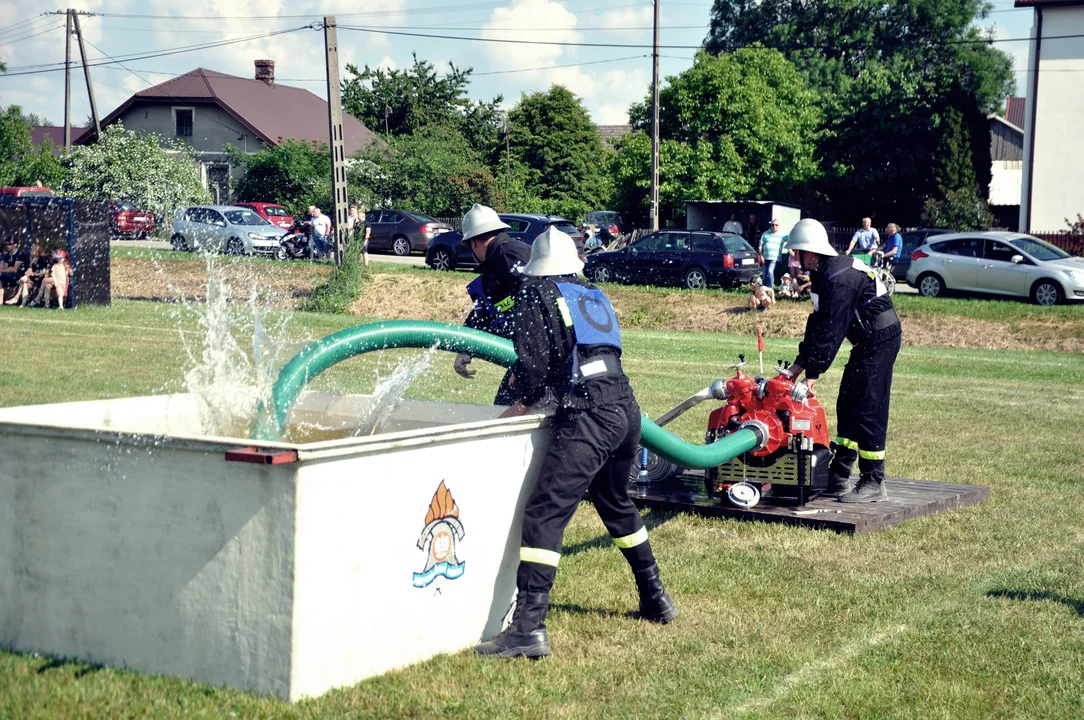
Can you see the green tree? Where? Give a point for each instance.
(962, 210)
(743, 124)
(417, 97)
(954, 170)
(433, 170)
(44, 165)
(14, 143)
(552, 134)
(886, 70)
(154, 173)
(294, 174)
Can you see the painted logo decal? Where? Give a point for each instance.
(442, 530)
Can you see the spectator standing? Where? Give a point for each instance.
(321, 231)
(865, 238)
(754, 228)
(893, 245)
(359, 228)
(733, 226)
(771, 242)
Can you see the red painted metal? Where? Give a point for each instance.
(262, 457)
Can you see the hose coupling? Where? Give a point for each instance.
(760, 430)
(718, 390)
(799, 392)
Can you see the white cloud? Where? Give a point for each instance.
(519, 21)
(634, 17)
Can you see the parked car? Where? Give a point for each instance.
(1000, 263)
(447, 251)
(271, 212)
(402, 232)
(601, 227)
(128, 220)
(912, 240)
(27, 191)
(224, 228)
(695, 260)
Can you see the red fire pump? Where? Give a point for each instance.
(793, 463)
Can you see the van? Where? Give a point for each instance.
(27, 191)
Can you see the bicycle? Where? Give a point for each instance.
(882, 268)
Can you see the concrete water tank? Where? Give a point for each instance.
(129, 539)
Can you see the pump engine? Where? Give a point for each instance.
(793, 461)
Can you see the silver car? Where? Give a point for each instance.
(1000, 263)
(224, 229)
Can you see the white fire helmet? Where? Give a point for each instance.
(553, 253)
(810, 235)
(480, 220)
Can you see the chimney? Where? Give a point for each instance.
(265, 70)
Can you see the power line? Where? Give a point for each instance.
(11, 40)
(51, 67)
(554, 67)
(118, 62)
(28, 21)
(962, 41)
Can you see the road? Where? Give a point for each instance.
(418, 260)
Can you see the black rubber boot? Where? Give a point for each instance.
(655, 603)
(839, 484)
(868, 490)
(526, 634)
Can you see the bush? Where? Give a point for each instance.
(293, 174)
(345, 285)
(962, 210)
(155, 174)
(1076, 228)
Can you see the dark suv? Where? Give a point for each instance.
(693, 259)
(401, 231)
(447, 251)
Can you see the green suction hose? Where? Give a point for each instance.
(339, 346)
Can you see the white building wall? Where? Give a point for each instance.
(1057, 178)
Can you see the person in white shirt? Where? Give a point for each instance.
(865, 238)
(321, 231)
(733, 226)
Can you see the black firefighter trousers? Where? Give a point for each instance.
(592, 450)
(862, 409)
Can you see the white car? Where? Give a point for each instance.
(1000, 263)
(224, 229)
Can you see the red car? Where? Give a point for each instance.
(27, 191)
(129, 220)
(271, 212)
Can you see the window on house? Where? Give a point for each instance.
(183, 120)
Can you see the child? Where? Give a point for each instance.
(761, 298)
(802, 283)
(787, 288)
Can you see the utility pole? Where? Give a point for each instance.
(68, 84)
(655, 124)
(335, 131)
(74, 15)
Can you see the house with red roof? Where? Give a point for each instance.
(210, 110)
(1053, 154)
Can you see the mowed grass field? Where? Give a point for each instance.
(972, 613)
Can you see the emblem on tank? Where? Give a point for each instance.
(442, 530)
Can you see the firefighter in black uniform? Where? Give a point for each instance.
(500, 260)
(849, 301)
(568, 342)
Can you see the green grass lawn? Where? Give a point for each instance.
(973, 613)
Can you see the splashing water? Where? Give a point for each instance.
(389, 391)
(231, 384)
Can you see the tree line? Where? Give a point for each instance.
(844, 107)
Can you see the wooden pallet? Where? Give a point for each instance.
(906, 499)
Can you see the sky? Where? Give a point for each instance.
(608, 78)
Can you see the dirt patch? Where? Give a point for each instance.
(443, 297)
(280, 286)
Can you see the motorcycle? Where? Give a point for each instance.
(294, 245)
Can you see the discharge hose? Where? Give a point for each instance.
(344, 344)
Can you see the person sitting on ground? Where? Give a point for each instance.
(31, 281)
(11, 267)
(787, 288)
(802, 283)
(761, 297)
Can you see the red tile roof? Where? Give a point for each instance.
(40, 133)
(272, 112)
(1014, 111)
